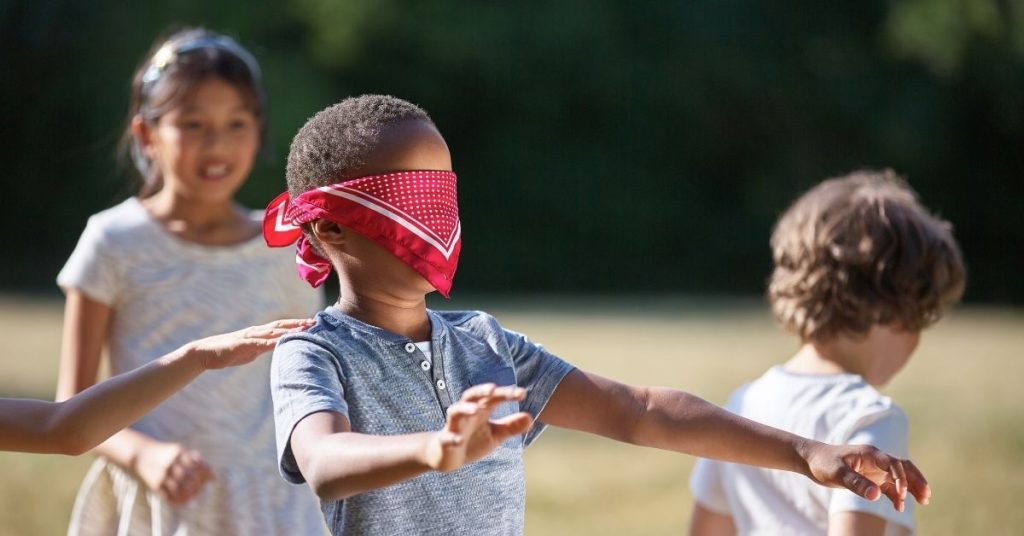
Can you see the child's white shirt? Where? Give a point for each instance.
(834, 408)
(166, 292)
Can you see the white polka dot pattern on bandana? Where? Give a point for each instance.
(425, 198)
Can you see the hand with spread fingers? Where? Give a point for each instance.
(244, 345)
(86, 419)
(470, 434)
(868, 472)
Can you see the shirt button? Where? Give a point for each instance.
(425, 365)
(440, 384)
(410, 347)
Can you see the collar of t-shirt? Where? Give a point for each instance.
(425, 349)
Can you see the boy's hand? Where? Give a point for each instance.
(470, 434)
(866, 471)
(243, 346)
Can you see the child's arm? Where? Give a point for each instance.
(338, 463)
(84, 420)
(173, 470)
(674, 420)
(705, 522)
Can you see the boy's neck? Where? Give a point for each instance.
(406, 317)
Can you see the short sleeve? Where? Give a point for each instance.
(304, 379)
(706, 486)
(539, 372)
(887, 431)
(92, 266)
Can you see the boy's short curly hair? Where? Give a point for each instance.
(860, 250)
(337, 139)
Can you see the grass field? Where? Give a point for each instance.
(963, 392)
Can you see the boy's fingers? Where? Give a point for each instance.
(896, 472)
(917, 485)
(503, 394)
(477, 392)
(860, 485)
(458, 413)
(891, 491)
(900, 477)
(512, 425)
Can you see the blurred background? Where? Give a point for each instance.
(601, 146)
(620, 163)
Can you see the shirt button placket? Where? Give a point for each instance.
(444, 395)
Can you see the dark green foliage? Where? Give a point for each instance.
(601, 146)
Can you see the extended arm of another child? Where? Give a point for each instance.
(88, 418)
(339, 463)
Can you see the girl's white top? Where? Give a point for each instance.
(165, 292)
(834, 408)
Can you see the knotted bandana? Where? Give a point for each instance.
(414, 215)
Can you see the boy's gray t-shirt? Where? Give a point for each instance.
(384, 385)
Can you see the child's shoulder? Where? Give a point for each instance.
(465, 318)
(127, 219)
(839, 401)
(471, 323)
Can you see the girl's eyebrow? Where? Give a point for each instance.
(192, 108)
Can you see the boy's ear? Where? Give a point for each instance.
(328, 232)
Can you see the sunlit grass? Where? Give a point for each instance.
(963, 390)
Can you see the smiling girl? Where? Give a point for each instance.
(180, 261)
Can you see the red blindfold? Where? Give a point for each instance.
(414, 215)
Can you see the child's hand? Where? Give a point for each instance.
(470, 434)
(868, 472)
(243, 346)
(173, 471)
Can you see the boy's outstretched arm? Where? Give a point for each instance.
(338, 463)
(88, 418)
(673, 420)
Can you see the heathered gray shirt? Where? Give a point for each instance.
(384, 385)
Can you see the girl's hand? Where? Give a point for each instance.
(470, 434)
(866, 471)
(243, 346)
(172, 470)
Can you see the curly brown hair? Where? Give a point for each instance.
(860, 250)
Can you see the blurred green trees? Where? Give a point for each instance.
(601, 146)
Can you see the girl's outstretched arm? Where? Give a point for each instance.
(86, 419)
(673, 420)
